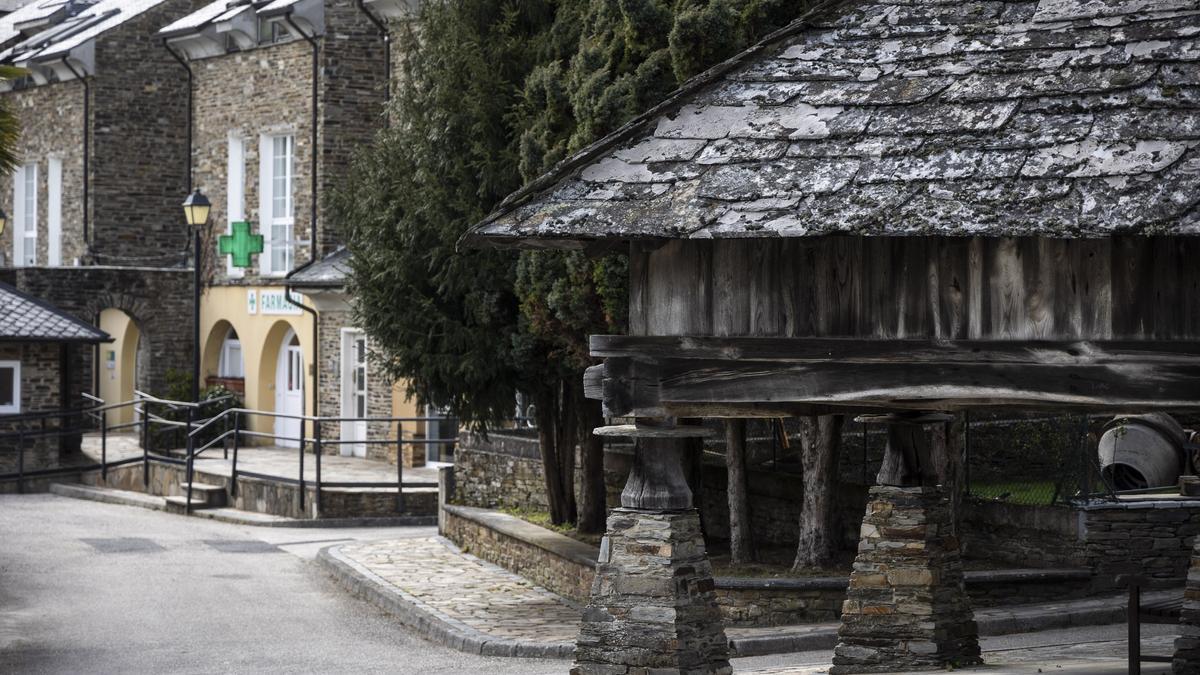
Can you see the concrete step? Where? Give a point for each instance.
(178, 504)
(212, 495)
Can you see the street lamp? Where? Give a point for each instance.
(3, 224)
(195, 210)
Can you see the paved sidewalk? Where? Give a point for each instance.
(282, 462)
(457, 599)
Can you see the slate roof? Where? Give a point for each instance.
(329, 272)
(24, 318)
(905, 117)
(69, 24)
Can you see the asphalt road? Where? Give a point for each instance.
(98, 588)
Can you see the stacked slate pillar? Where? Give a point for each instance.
(653, 607)
(1187, 645)
(906, 607)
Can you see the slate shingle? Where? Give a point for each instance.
(994, 117)
(24, 318)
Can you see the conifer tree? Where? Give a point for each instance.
(495, 92)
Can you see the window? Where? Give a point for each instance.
(24, 216)
(10, 387)
(235, 193)
(29, 220)
(54, 212)
(277, 184)
(231, 356)
(272, 31)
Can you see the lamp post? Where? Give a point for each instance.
(195, 210)
(3, 224)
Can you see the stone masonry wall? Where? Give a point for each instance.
(51, 126)
(379, 396)
(247, 94)
(1149, 538)
(40, 391)
(352, 98)
(267, 90)
(1030, 536)
(138, 158)
(139, 143)
(157, 300)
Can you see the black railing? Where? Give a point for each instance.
(227, 429)
(236, 429)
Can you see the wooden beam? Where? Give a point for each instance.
(856, 350)
(931, 386)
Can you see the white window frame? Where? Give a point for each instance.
(266, 202)
(235, 194)
(24, 212)
(223, 369)
(16, 404)
(54, 190)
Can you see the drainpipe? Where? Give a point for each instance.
(316, 349)
(87, 98)
(387, 57)
(188, 123)
(316, 71)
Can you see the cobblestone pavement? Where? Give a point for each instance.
(477, 593)
(496, 602)
(283, 462)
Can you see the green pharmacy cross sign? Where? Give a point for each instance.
(241, 244)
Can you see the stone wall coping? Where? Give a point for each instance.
(583, 554)
(978, 577)
(512, 526)
(1141, 504)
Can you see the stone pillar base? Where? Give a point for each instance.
(906, 607)
(653, 608)
(1187, 645)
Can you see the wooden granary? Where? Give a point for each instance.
(905, 208)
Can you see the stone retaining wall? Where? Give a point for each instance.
(566, 567)
(275, 498)
(1151, 538)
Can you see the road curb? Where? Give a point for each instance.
(228, 515)
(428, 621)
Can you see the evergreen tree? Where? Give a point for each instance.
(494, 93)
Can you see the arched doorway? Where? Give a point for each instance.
(289, 390)
(124, 362)
(223, 361)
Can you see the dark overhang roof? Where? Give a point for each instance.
(328, 272)
(24, 318)
(1071, 118)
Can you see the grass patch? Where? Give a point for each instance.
(1015, 492)
(542, 519)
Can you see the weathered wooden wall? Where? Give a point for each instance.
(920, 287)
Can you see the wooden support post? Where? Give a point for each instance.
(741, 539)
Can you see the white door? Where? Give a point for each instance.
(289, 391)
(354, 392)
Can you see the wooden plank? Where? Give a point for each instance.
(952, 297)
(730, 279)
(937, 386)
(639, 284)
(854, 350)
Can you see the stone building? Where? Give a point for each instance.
(281, 94)
(37, 342)
(95, 223)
